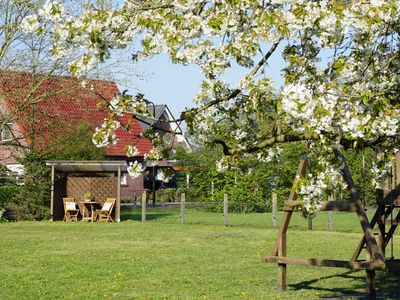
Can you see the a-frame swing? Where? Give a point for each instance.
(375, 252)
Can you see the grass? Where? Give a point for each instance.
(162, 259)
(343, 221)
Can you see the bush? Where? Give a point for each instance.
(28, 211)
(179, 192)
(8, 194)
(169, 195)
(2, 219)
(128, 200)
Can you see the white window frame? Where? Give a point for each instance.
(6, 134)
(124, 179)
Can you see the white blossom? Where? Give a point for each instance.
(162, 176)
(131, 151)
(135, 169)
(318, 188)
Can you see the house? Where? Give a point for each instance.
(163, 122)
(166, 125)
(37, 109)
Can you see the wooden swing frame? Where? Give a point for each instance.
(375, 251)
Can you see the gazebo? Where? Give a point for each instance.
(76, 178)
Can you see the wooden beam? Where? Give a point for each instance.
(288, 214)
(332, 263)
(52, 194)
(376, 254)
(282, 266)
(86, 163)
(335, 205)
(118, 204)
(280, 245)
(394, 222)
(374, 221)
(389, 196)
(392, 229)
(338, 205)
(397, 172)
(381, 233)
(370, 290)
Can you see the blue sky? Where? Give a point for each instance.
(168, 83)
(176, 85)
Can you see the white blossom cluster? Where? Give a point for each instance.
(222, 165)
(105, 135)
(307, 111)
(381, 167)
(121, 104)
(272, 154)
(317, 188)
(152, 157)
(162, 176)
(135, 169)
(131, 151)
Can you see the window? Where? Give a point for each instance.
(6, 134)
(17, 169)
(124, 179)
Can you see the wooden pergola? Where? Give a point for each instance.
(75, 178)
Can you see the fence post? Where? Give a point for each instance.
(330, 217)
(183, 208)
(274, 209)
(212, 190)
(225, 209)
(144, 195)
(309, 222)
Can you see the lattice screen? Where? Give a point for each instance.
(99, 187)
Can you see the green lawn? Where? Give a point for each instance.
(342, 221)
(162, 259)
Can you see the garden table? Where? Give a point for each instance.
(86, 204)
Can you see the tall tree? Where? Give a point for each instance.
(341, 75)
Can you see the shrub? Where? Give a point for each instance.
(8, 194)
(179, 192)
(128, 200)
(166, 195)
(2, 219)
(26, 211)
(169, 195)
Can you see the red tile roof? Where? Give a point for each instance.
(61, 101)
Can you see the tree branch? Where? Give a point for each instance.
(189, 114)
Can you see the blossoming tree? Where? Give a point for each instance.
(341, 78)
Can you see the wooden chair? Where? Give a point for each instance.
(70, 211)
(104, 214)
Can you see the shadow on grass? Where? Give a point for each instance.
(387, 286)
(135, 214)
